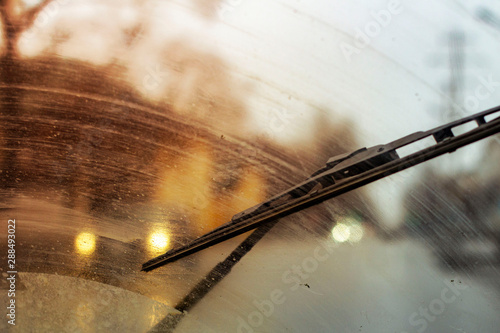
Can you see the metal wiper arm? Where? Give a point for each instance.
(340, 175)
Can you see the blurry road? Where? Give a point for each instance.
(371, 286)
(82, 273)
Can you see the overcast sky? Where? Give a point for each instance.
(383, 64)
(392, 86)
(293, 53)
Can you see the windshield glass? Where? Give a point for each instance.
(130, 128)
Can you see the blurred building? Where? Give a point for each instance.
(458, 215)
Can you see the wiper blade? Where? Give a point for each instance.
(340, 175)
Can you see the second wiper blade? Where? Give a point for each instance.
(340, 175)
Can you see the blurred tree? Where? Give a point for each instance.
(334, 138)
(15, 19)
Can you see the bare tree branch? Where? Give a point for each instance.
(9, 26)
(30, 15)
(13, 25)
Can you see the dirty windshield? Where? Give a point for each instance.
(131, 128)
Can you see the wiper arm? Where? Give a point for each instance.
(340, 175)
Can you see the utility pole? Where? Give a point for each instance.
(456, 47)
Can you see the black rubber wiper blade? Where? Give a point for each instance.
(340, 175)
